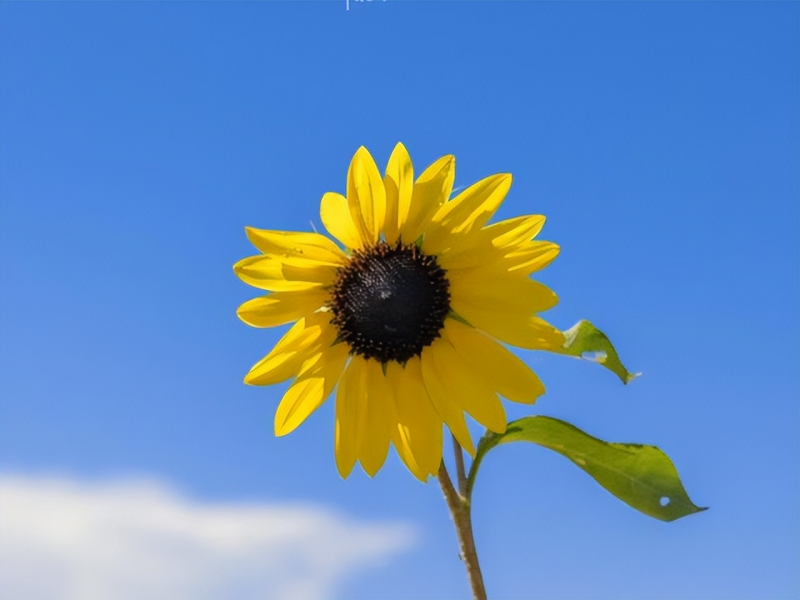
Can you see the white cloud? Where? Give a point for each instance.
(62, 539)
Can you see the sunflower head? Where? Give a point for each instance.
(407, 317)
(390, 301)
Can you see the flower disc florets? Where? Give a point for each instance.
(390, 301)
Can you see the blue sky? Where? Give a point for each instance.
(137, 139)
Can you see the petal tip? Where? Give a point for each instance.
(344, 470)
(361, 154)
(371, 471)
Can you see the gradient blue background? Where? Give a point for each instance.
(137, 139)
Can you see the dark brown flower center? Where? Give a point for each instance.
(390, 301)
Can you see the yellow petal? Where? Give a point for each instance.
(296, 244)
(532, 257)
(492, 243)
(366, 196)
(284, 273)
(305, 339)
(274, 369)
(379, 419)
(449, 411)
(472, 393)
(431, 190)
(503, 292)
(399, 184)
(419, 426)
(281, 307)
(401, 444)
(335, 215)
(310, 390)
(473, 251)
(467, 212)
(513, 232)
(350, 415)
(523, 331)
(502, 369)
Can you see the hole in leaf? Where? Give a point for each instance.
(664, 501)
(598, 356)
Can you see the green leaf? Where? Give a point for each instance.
(584, 340)
(641, 476)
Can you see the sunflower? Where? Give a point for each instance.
(408, 322)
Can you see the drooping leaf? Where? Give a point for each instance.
(641, 476)
(586, 341)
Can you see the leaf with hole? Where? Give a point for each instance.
(584, 340)
(641, 476)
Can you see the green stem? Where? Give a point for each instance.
(459, 506)
(460, 472)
